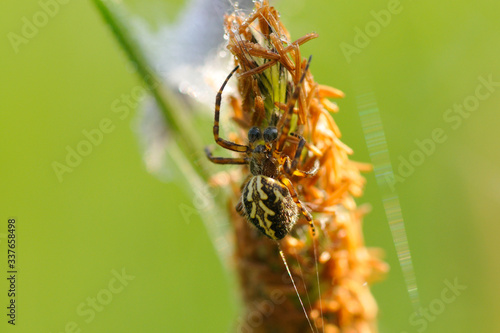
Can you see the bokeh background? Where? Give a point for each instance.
(109, 215)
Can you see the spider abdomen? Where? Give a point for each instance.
(268, 205)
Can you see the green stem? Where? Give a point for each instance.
(186, 152)
(170, 106)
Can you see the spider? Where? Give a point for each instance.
(269, 200)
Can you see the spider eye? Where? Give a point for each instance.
(254, 134)
(270, 134)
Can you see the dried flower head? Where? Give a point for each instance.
(334, 280)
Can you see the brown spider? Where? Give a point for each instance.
(269, 200)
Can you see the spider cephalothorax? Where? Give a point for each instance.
(268, 200)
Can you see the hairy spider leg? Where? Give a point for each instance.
(298, 152)
(224, 160)
(290, 166)
(220, 141)
(295, 198)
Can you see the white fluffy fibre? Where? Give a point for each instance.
(189, 57)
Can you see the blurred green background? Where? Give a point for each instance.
(109, 216)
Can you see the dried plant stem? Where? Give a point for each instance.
(270, 66)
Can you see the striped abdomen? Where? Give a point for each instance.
(268, 205)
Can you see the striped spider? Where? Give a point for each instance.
(269, 200)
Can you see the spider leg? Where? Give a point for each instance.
(291, 104)
(290, 166)
(239, 208)
(295, 198)
(220, 141)
(298, 152)
(309, 173)
(224, 160)
(287, 166)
